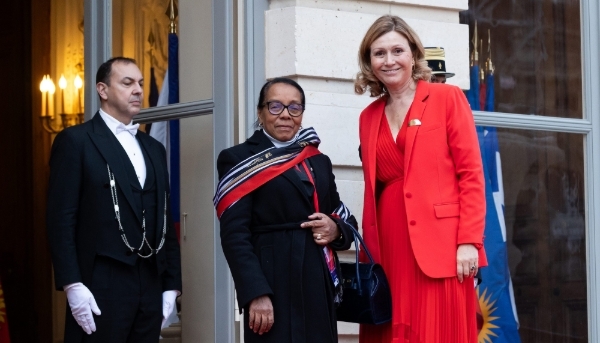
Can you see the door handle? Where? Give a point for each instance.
(184, 226)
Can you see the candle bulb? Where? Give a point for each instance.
(51, 91)
(62, 84)
(78, 84)
(43, 90)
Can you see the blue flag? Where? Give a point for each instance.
(499, 321)
(495, 293)
(174, 159)
(489, 94)
(473, 92)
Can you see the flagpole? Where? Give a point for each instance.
(490, 99)
(490, 66)
(172, 13)
(474, 53)
(473, 92)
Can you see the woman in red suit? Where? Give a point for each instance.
(424, 202)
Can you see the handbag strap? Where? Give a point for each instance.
(357, 239)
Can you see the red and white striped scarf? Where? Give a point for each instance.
(260, 168)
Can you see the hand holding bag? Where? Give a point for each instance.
(366, 293)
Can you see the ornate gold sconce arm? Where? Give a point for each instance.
(67, 120)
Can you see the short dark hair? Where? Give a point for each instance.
(105, 69)
(265, 88)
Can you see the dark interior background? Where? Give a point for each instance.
(25, 270)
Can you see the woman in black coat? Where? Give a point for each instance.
(281, 222)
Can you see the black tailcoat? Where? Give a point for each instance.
(81, 221)
(269, 254)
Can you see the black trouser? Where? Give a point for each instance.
(130, 299)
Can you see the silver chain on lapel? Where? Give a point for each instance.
(113, 192)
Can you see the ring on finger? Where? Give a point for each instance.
(319, 236)
(472, 268)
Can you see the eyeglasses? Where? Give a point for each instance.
(276, 108)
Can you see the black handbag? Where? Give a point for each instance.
(366, 297)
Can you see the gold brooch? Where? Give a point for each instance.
(414, 122)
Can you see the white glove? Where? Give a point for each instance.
(82, 304)
(168, 304)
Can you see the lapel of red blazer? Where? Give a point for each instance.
(416, 112)
(374, 118)
(370, 120)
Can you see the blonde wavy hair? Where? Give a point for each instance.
(365, 79)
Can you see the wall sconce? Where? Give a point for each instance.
(48, 89)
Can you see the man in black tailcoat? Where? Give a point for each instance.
(114, 249)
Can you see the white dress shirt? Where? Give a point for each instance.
(130, 144)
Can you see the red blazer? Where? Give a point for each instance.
(443, 178)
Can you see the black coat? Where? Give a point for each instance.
(269, 254)
(80, 215)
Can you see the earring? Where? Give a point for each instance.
(260, 124)
(300, 128)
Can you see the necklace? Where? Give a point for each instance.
(113, 191)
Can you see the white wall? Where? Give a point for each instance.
(324, 43)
